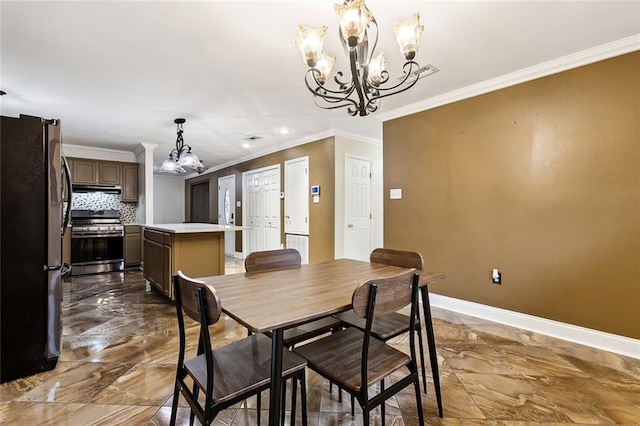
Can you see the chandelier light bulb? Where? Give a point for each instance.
(324, 66)
(354, 18)
(310, 41)
(408, 35)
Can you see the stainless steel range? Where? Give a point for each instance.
(97, 241)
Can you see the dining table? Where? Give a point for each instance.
(278, 299)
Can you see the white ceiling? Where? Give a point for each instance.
(118, 73)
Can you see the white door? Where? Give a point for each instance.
(261, 199)
(226, 210)
(271, 209)
(357, 236)
(296, 196)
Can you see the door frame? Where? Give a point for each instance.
(229, 236)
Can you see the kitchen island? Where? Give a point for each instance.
(197, 249)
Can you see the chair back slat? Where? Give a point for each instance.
(187, 289)
(402, 258)
(394, 293)
(270, 259)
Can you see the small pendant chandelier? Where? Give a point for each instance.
(361, 89)
(181, 156)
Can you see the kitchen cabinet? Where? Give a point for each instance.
(84, 172)
(195, 249)
(129, 183)
(112, 173)
(132, 245)
(109, 173)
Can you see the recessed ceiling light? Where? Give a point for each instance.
(246, 145)
(284, 131)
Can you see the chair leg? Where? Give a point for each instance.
(174, 404)
(431, 344)
(192, 415)
(421, 347)
(382, 411)
(416, 385)
(259, 406)
(284, 400)
(353, 410)
(303, 397)
(294, 391)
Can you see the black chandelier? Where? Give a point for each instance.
(181, 156)
(358, 27)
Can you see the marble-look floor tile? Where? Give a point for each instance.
(587, 401)
(15, 389)
(111, 415)
(503, 397)
(476, 359)
(79, 383)
(37, 413)
(537, 361)
(144, 384)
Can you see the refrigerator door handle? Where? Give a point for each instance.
(67, 174)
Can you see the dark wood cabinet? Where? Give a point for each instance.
(129, 182)
(132, 245)
(157, 260)
(112, 173)
(109, 173)
(84, 172)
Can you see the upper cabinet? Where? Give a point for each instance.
(129, 182)
(109, 173)
(96, 172)
(84, 172)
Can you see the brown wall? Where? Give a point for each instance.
(321, 172)
(541, 180)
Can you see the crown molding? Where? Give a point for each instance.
(142, 147)
(94, 153)
(578, 59)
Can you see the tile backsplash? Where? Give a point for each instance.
(102, 201)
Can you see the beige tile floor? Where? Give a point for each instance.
(120, 347)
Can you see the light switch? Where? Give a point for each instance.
(395, 194)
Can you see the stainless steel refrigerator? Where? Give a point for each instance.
(31, 227)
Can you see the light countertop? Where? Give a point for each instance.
(186, 228)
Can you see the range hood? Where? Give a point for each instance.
(107, 189)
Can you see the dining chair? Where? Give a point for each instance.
(286, 258)
(389, 326)
(355, 360)
(229, 374)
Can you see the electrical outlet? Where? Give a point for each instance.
(496, 276)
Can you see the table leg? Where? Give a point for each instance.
(275, 393)
(431, 343)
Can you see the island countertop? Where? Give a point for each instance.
(192, 228)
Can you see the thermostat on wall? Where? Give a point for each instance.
(315, 190)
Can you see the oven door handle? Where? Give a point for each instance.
(67, 216)
(96, 235)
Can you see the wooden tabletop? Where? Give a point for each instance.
(268, 300)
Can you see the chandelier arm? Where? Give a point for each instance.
(352, 107)
(329, 96)
(407, 74)
(314, 73)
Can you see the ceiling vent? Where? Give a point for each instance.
(252, 138)
(419, 73)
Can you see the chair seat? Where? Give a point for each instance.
(338, 357)
(246, 365)
(383, 328)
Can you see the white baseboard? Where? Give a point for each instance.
(585, 336)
